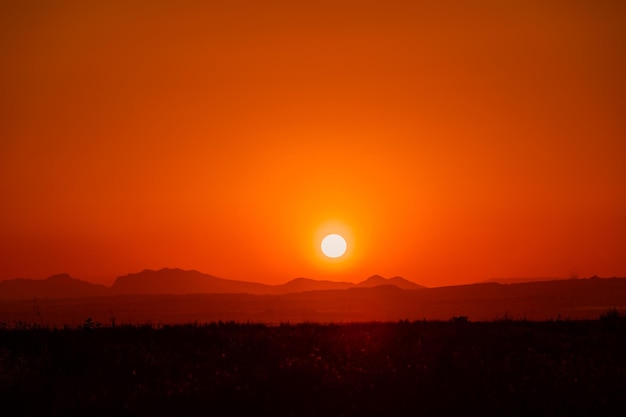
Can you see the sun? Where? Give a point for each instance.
(334, 245)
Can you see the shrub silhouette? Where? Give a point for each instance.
(89, 324)
(612, 316)
(362, 369)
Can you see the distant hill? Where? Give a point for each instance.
(176, 295)
(377, 280)
(177, 282)
(561, 299)
(519, 280)
(307, 284)
(55, 286)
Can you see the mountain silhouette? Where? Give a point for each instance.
(175, 295)
(55, 286)
(307, 284)
(520, 280)
(177, 281)
(377, 280)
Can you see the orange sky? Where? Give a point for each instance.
(449, 142)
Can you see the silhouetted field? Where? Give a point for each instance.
(367, 369)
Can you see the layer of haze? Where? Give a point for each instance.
(449, 141)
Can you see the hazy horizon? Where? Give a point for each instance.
(353, 280)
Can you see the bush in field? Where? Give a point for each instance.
(612, 316)
(459, 319)
(89, 324)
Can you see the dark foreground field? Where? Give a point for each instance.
(420, 368)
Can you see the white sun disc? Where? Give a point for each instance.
(334, 245)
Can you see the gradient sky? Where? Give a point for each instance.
(449, 141)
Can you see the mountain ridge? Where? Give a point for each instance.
(63, 298)
(177, 281)
(377, 280)
(55, 286)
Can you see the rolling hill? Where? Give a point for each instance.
(176, 295)
(55, 286)
(176, 282)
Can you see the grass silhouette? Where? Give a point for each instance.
(401, 368)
